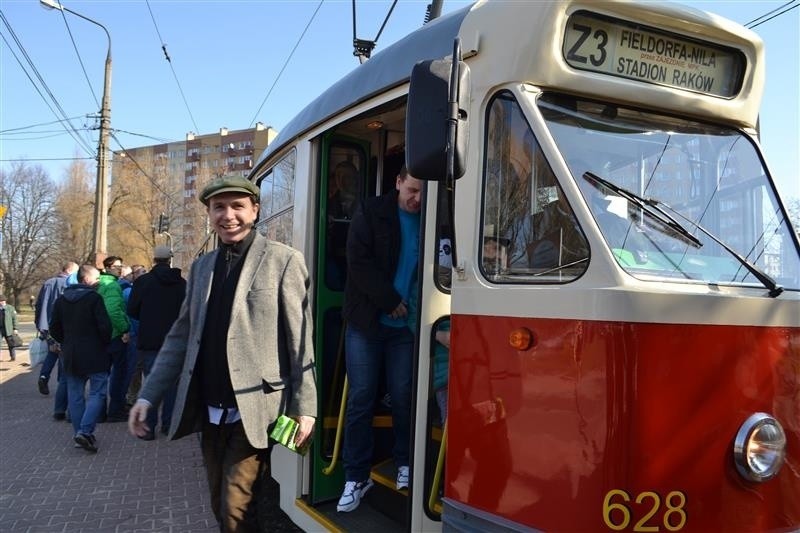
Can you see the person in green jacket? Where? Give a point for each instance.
(8, 324)
(109, 289)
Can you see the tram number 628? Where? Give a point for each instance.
(617, 510)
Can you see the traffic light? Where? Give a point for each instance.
(163, 223)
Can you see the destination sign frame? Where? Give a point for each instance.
(615, 47)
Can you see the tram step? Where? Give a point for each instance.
(384, 496)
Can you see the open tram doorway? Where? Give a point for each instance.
(359, 159)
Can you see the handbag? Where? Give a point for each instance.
(38, 351)
(14, 341)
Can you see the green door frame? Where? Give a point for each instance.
(326, 300)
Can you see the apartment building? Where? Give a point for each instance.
(174, 173)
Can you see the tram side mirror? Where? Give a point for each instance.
(427, 120)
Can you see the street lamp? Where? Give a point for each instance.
(100, 228)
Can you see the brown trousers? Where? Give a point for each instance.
(235, 470)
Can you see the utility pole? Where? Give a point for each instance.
(100, 226)
(103, 167)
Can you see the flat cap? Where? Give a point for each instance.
(229, 184)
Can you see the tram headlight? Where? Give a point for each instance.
(760, 448)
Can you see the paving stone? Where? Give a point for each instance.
(49, 486)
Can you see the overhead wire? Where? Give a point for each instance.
(42, 85)
(154, 183)
(32, 132)
(755, 22)
(774, 16)
(9, 130)
(80, 60)
(32, 159)
(159, 139)
(172, 68)
(289, 58)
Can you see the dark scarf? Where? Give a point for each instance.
(216, 380)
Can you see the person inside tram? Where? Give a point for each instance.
(558, 239)
(343, 197)
(343, 191)
(494, 256)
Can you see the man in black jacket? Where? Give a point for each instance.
(155, 301)
(382, 256)
(81, 324)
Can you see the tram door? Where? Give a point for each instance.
(433, 353)
(343, 172)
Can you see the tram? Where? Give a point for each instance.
(628, 357)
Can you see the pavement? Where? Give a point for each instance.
(129, 485)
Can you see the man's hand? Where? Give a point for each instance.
(401, 311)
(137, 417)
(305, 429)
(126, 337)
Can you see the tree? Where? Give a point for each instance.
(30, 229)
(75, 206)
(140, 192)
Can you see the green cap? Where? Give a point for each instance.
(229, 184)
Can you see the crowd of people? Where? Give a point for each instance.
(90, 320)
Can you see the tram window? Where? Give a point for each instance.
(702, 174)
(444, 243)
(277, 200)
(525, 210)
(345, 181)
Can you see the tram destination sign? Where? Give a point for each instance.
(619, 48)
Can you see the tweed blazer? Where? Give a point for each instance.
(270, 348)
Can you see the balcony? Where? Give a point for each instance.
(247, 165)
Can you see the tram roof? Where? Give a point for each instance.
(392, 66)
(389, 67)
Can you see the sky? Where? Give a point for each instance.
(237, 62)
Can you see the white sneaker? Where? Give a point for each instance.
(351, 497)
(402, 478)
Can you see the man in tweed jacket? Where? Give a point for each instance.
(241, 350)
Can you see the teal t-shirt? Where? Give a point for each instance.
(407, 264)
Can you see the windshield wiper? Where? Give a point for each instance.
(648, 205)
(653, 207)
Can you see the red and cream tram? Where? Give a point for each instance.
(628, 358)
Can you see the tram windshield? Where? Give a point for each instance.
(711, 176)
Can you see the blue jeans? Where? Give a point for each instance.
(50, 361)
(61, 401)
(49, 364)
(132, 356)
(366, 352)
(117, 384)
(82, 412)
(167, 403)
